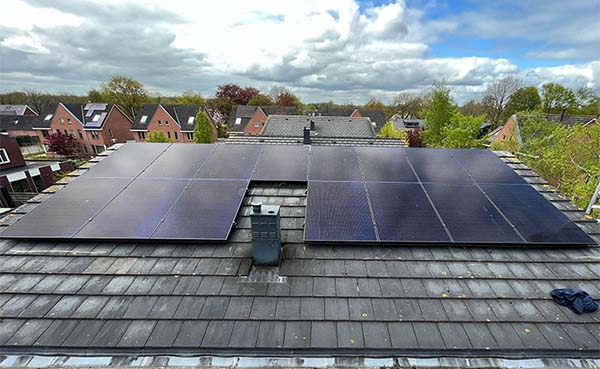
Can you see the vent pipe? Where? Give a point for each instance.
(266, 234)
(312, 125)
(562, 115)
(306, 136)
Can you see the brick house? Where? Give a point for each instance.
(23, 126)
(96, 126)
(377, 116)
(177, 122)
(10, 155)
(250, 120)
(16, 110)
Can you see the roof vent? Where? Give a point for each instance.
(306, 136)
(266, 234)
(312, 125)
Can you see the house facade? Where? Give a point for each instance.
(177, 122)
(250, 120)
(10, 155)
(16, 110)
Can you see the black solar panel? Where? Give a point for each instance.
(468, 214)
(486, 167)
(334, 164)
(67, 210)
(535, 218)
(437, 165)
(338, 211)
(206, 210)
(135, 212)
(404, 214)
(282, 163)
(231, 162)
(385, 164)
(128, 161)
(179, 161)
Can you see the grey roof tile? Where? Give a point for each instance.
(454, 336)
(28, 333)
(376, 335)
(271, 334)
(190, 307)
(39, 307)
(8, 327)
(263, 308)
(428, 336)
(343, 127)
(90, 307)
(83, 333)
(191, 334)
(137, 333)
(288, 309)
(56, 333)
(312, 308)
(350, 335)
(110, 334)
(336, 309)
(244, 335)
(239, 307)
(214, 307)
(164, 333)
(403, 335)
(480, 335)
(218, 334)
(297, 334)
(323, 335)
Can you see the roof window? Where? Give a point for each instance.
(96, 117)
(238, 121)
(190, 120)
(143, 119)
(48, 117)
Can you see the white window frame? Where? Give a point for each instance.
(238, 121)
(143, 119)
(49, 116)
(4, 158)
(190, 136)
(96, 118)
(191, 120)
(94, 134)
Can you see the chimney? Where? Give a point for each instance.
(562, 115)
(312, 125)
(266, 234)
(306, 136)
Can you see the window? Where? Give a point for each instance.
(45, 133)
(142, 135)
(85, 149)
(48, 117)
(191, 120)
(94, 134)
(159, 123)
(110, 133)
(4, 157)
(169, 134)
(62, 120)
(143, 119)
(73, 133)
(166, 122)
(176, 136)
(96, 117)
(238, 121)
(190, 136)
(68, 120)
(80, 134)
(66, 133)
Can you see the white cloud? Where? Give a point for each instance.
(26, 44)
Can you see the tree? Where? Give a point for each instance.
(203, 130)
(286, 98)
(462, 132)
(158, 136)
(64, 145)
(438, 115)
(408, 105)
(95, 96)
(415, 138)
(557, 98)
(261, 100)
(498, 93)
(585, 96)
(389, 130)
(39, 101)
(525, 99)
(126, 92)
(190, 98)
(374, 104)
(472, 107)
(236, 94)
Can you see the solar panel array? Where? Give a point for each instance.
(382, 195)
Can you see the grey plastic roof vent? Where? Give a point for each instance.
(266, 234)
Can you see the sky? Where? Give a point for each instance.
(321, 50)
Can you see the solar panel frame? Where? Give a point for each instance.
(404, 214)
(202, 202)
(135, 212)
(538, 221)
(179, 161)
(385, 164)
(231, 162)
(330, 202)
(282, 163)
(78, 202)
(333, 164)
(128, 161)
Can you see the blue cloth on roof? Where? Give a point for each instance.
(577, 300)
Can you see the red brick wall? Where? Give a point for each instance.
(119, 124)
(12, 150)
(28, 111)
(64, 120)
(507, 132)
(256, 123)
(356, 114)
(33, 133)
(162, 116)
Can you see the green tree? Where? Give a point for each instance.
(203, 130)
(158, 136)
(438, 116)
(374, 104)
(261, 100)
(462, 132)
(190, 98)
(389, 130)
(525, 99)
(556, 98)
(126, 92)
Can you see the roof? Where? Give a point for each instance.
(325, 126)
(181, 115)
(22, 122)
(147, 111)
(239, 117)
(90, 115)
(14, 109)
(376, 116)
(113, 299)
(316, 141)
(567, 119)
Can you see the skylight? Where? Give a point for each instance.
(143, 119)
(48, 117)
(96, 117)
(190, 120)
(238, 121)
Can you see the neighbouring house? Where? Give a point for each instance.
(30, 131)
(377, 116)
(95, 126)
(320, 126)
(250, 120)
(16, 110)
(572, 120)
(407, 123)
(177, 122)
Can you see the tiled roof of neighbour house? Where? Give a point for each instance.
(185, 115)
(90, 115)
(13, 109)
(279, 110)
(376, 116)
(316, 141)
(22, 122)
(330, 127)
(570, 120)
(239, 117)
(143, 116)
(475, 305)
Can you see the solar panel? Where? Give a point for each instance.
(437, 165)
(333, 164)
(468, 214)
(385, 164)
(205, 211)
(404, 214)
(486, 167)
(135, 212)
(67, 210)
(534, 217)
(129, 161)
(231, 162)
(282, 163)
(179, 161)
(338, 211)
